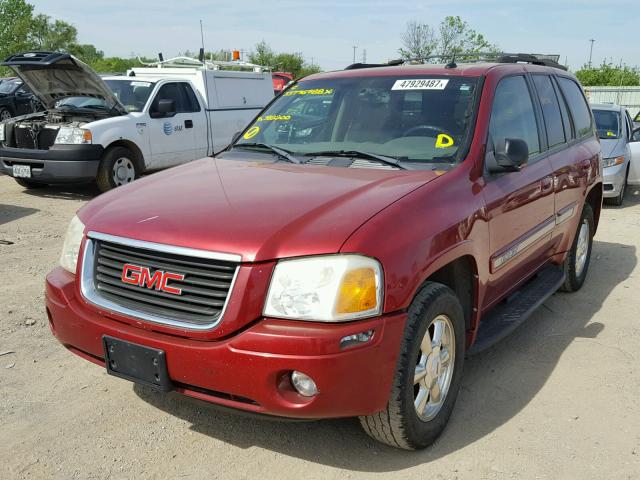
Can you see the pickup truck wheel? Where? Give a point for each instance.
(576, 265)
(428, 374)
(5, 114)
(117, 167)
(30, 184)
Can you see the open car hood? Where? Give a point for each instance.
(55, 76)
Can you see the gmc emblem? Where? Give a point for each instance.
(141, 276)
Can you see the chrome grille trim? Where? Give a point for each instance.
(91, 294)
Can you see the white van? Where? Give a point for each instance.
(113, 129)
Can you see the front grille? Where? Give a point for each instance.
(204, 290)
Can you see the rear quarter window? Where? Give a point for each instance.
(580, 112)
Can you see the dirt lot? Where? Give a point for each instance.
(559, 399)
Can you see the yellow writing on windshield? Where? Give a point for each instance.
(315, 91)
(274, 118)
(444, 141)
(252, 132)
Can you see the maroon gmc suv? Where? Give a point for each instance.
(365, 235)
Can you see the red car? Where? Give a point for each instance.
(280, 81)
(367, 232)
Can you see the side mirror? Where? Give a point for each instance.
(508, 155)
(235, 137)
(635, 135)
(163, 108)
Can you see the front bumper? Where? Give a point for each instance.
(614, 178)
(59, 164)
(250, 370)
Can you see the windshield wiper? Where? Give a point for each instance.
(393, 161)
(281, 152)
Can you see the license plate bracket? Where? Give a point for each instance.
(21, 171)
(136, 363)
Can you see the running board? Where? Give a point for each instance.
(509, 314)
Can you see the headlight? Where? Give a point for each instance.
(331, 288)
(73, 136)
(1, 132)
(610, 162)
(71, 246)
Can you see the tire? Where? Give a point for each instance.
(118, 166)
(5, 114)
(29, 184)
(400, 425)
(576, 265)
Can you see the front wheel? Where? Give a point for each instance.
(428, 374)
(117, 167)
(576, 265)
(5, 114)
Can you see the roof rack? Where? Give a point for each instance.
(188, 62)
(470, 57)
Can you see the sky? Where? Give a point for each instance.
(326, 31)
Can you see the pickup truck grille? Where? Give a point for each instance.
(197, 290)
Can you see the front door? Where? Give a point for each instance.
(172, 138)
(520, 205)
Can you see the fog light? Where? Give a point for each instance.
(350, 340)
(304, 384)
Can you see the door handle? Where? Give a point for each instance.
(188, 124)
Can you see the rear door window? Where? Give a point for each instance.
(512, 115)
(191, 102)
(578, 105)
(550, 110)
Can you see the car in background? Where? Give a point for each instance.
(615, 129)
(15, 99)
(636, 120)
(280, 81)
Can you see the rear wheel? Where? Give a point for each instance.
(5, 114)
(576, 265)
(428, 374)
(30, 184)
(118, 167)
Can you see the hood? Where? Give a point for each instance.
(261, 211)
(55, 76)
(611, 148)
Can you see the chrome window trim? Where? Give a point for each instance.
(89, 292)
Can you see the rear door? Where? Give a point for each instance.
(634, 152)
(520, 204)
(575, 161)
(173, 139)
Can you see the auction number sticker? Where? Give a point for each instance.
(420, 84)
(252, 132)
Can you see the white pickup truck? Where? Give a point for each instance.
(113, 129)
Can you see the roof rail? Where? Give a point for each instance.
(544, 60)
(470, 57)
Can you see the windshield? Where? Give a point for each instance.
(607, 123)
(8, 86)
(422, 119)
(133, 94)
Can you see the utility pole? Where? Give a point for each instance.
(591, 51)
(354, 53)
(364, 55)
(311, 62)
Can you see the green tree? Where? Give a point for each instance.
(15, 21)
(418, 41)
(293, 63)
(451, 38)
(52, 35)
(608, 75)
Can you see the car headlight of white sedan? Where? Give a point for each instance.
(610, 162)
(327, 288)
(71, 246)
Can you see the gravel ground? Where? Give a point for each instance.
(558, 399)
